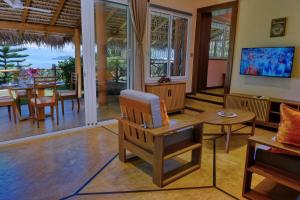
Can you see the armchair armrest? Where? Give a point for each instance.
(274, 144)
(176, 123)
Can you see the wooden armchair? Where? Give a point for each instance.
(8, 101)
(283, 169)
(70, 95)
(40, 100)
(156, 145)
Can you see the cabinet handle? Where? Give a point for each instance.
(170, 93)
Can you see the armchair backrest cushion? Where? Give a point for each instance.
(148, 98)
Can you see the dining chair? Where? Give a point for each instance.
(8, 101)
(40, 101)
(70, 94)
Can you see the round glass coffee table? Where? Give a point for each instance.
(228, 118)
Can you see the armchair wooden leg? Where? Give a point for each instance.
(158, 161)
(196, 153)
(122, 149)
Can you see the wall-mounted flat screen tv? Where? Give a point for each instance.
(271, 61)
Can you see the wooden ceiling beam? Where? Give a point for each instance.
(26, 11)
(35, 27)
(57, 12)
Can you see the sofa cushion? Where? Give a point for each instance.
(289, 128)
(152, 99)
(286, 163)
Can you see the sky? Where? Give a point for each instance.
(44, 57)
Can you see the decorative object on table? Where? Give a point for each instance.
(29, 74)
(164, 79)
(229, 114)
(278, 27)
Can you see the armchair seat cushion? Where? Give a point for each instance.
(283, 162)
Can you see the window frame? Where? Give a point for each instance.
(171, 15)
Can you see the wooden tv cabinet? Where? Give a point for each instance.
(270, 118)
(173, 93)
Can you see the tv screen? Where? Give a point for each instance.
(273, 61)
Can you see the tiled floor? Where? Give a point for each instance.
(71, 119)
(84, 165)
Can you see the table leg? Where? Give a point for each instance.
(228, 138)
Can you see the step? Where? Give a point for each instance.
(201, 106)
(207, 98)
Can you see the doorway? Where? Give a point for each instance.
(215, 35)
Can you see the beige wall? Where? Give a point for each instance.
(191, 7)
(253, 30)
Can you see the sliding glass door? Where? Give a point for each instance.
(112, 64)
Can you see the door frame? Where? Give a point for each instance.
(200, 66)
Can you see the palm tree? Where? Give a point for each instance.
(11, 58)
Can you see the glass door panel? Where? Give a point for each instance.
(111, 23)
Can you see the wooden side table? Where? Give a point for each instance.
(243, 116)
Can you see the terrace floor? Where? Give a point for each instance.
(72, 119)
(84, 165)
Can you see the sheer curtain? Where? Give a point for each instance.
(139, 11)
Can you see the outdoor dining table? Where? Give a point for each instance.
(29, 91)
